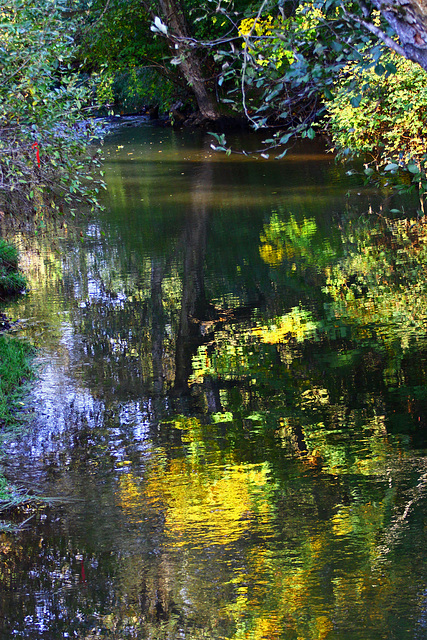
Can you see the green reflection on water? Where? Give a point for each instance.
(234, 391)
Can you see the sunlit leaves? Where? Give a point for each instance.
(381, 114)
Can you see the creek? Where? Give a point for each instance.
(230, 410)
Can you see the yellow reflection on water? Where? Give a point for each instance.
(207, 496)
(203, 504)
(297, 324)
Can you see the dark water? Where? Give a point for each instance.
(231, 411)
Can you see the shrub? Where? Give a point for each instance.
(11, 280)
(381, 112)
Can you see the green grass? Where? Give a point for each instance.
(12, 281)
(15, 355)
(15, 373)
(15, 370)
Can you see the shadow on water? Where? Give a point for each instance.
(230, 410)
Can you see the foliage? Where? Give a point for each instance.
(129, 61)
(381, 114)
(45, 125)
(15, 370)
(176, 42)
(11, 280)
(335, 67)
(132, 62)
(289, 64)
(136, 88)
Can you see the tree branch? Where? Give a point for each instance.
(379, 33)
(245, 63)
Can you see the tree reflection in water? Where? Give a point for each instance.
(230, 406)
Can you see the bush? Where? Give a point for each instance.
(137, 88)
(45, 125)
(11, 280)
(381, 112)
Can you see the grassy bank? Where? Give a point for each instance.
(15, 368)
(12, 281)
(15, 373)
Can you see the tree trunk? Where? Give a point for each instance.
(193, 277)
(409, 20)
(191, 67)
(157, 327)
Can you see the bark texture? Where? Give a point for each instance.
(408, 18)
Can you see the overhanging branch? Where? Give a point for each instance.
(379, 33)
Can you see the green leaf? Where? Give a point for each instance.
(412, 168)
(281, 155)
(285, 138)
(390, 67)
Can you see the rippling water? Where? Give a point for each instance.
(230, 411)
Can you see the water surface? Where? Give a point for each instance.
(230, 411)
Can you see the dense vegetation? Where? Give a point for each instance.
(11, 279)
(331, 66)
(45, 124)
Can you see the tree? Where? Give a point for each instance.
(176, 29)
(408, 18)
(122, 44)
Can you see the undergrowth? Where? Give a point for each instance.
(12, 281)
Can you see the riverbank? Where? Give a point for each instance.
(16, 370)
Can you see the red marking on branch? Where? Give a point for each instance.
(36, 146)
(83, 573)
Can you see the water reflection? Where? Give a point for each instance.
(230, 407)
